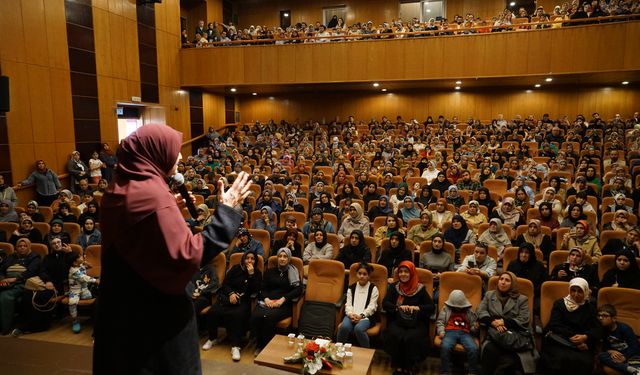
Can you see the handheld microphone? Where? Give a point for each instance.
(178, 181)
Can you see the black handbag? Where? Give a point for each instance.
(512, 340)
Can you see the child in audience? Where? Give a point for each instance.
(362, 302)
(621, 350)
(78, 287)
(457, 323)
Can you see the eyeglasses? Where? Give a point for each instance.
(604, 315)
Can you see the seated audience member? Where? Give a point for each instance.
(290, 241)
(549, 196)
(454, 197)
(573, 214)
(535, 237)
(14, 271)
(26, 230)
(392, 256)
(620, 350)
(232, 308)
(65, 196)
(93, 211)
(204, 217)
(356, 220)
(54, 272)
(315, 223)
(89, 235)
(547, 217)
(355, 250)
(441, 215)
(441, 183)
(473, 216)
(57, 230)
(7, 213)
(509, 214)
(625, 273)
(425, 197)
(371, 193)
(268, 221)
(32, 211)
(425, 231)
(397, 199)
(619, 203)
(580, 237)
(408, 307)
(409, 210)
(382, 209)
(496, 236)
(360, 307)
(291, 204)
(202, 287)
(526, 266)
(64, 213)
(479, 263)
(320, 248)
(438, 260)
(484, 199)
(266, 200)
(459, 233)
(631, 243)
(245, 242)
(326, 204)
(576, 266)
(620, 222)
(505, 311)
(572, 334)
(280, 286)
(391, 226)
(458, 323)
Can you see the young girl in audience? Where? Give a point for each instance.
(361, 305)
(78, 287)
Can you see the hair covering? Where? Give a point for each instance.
(68, 193)
(513, 291)
(453, 191)
(360, 212)
(139, 191)
(534, 240)
(386, 210)
(510, 217)
(576, 267)
(292, 272)
(457, 236)
(410, 213)
(499, 239)
(457, 300)
(569, 302)
(324, 238)
(585, 224)
(412, 286)
(33, 203)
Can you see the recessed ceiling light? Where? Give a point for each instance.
(513, 3)
(457, 87)
(458, 82)
(549, 79)
(254, 93)
(233, 89)
(537, 85)
(376, 84)
(384, 90)
(625, 82)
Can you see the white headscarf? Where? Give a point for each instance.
(569, 302)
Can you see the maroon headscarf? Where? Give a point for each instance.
(141, 220)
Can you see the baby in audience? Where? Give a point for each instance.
(78, 287)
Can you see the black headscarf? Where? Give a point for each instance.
(457, 236)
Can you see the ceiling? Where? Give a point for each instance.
(602, 79)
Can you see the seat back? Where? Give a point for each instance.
(8, 228)
(6, 247)
(73, 229)
(219, 264)
(371, 245)
(549, 293)
(560, 256)
(93, 255)
(607, 235)
(471, 285)
(40, 249)
(264, 237)
(626, 303)
(44, 228)
(325, 282)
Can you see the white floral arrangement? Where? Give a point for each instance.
(314, 355)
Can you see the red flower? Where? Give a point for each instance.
(323, 350)
(310, 357)
(312, 346)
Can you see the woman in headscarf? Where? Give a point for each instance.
(509, 214)
(505, 311)
(233, 306)
(496, 236)
(410, 210)
(268, 221)
(291, 204)
(619, 203)
(290, 241)
(441, 183)
(355, 250)
(576, 266)
(484, 199)
(426, 197)
(201, 189)
(280, 286)
(572, 334)
(547, 217)
(397, 199)
(356, 220)
(579, 236)
(408, 307)
(625, 274)
(316, 222)
(453, 173)
(454, 197)
(441, 215)
(320, 248)
(90, 235)
(536, 238)
(620, 222)
(14, 271)
(347, 192)
(438, 260)
(431, 172)
(245, 242)
(473, 216)
(46, 181)
(370, 193)
(149, 252)
(459, 233)
(521, 200)
(8, 213)
(526, 266)
(57, 230)
(425, 231)
(574, 214)
(93, 210)
(326, 204)
(266, 200)
(549, 196)
(392, 225)
(26, 230)
(397, 252)
(203, 218)
(382, 209)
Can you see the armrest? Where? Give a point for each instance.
(340, 302)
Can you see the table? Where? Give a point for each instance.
(278, 347)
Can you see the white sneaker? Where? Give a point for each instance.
(235, 353)
(209, 344)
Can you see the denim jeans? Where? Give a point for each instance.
(605, 359)
(471, 348)
(359, 329)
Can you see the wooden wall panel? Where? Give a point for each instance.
(483, 9)
(33, 16)
(213, 111)
(485, 104)
(214, 10)
(580, 49)
(56, 34)
(13, 46)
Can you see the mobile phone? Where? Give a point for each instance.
(472, 264)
